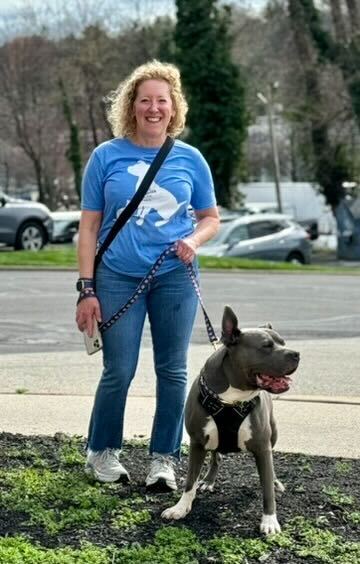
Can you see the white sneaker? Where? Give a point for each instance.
(161, 477)
(104, 466)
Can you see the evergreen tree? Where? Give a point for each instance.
(73, 153)
(214, 89)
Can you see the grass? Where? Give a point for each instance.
(64, 257)
(233, 263)
(303, 538)
(54, 510)
(231, 550)
(56, 500)
(337, 497)
(19, 550)
(64, 500)
(50, 257)
(179, 545)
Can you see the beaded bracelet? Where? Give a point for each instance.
(86, 293)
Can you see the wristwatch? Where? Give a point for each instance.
(83, 283)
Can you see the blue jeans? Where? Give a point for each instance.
(170, 302)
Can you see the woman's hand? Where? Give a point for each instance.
(86, 311)
(206, 227)
(186, 249)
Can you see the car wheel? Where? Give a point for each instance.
(31, 237)
(295, 258)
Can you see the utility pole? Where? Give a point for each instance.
(268, 102)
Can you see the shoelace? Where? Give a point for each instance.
(110, 454)
(160, 462)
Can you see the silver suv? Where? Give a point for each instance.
(260, 236)
(24, 224)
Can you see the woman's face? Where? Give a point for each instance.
(153, 110)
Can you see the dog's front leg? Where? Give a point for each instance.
(183, 506)
(264, 462)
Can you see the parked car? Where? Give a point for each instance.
(66, 224)
(229, 215)
(24, 224)
(269, 237)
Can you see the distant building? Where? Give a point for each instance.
(301, 200)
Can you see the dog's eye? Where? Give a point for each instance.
(268, 345)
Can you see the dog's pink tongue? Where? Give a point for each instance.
(273, 385)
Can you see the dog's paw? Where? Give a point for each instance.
(206, 486)
(269, 524)
(178, 511)
(279, 486)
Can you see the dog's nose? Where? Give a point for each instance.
(295, 355)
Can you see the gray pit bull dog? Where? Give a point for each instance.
(233, 388)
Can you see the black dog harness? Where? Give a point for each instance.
(228, 418)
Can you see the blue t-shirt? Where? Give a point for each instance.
(111, 177)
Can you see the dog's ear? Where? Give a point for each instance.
(230, 331)
(266, 326)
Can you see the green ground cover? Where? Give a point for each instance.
(64, 256)
(53, 514)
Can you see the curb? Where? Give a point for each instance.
(342, 400)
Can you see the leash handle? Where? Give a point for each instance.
(146, 281)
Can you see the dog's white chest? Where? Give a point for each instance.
(211, 431)
(244, 433)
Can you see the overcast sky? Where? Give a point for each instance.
(55, 16)
(8, 7)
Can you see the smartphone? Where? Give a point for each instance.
(93, 344)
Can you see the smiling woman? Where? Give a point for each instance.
(148, 107)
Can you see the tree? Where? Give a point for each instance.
(354, 16)
(215, 91)
(345, 55)
(54, 82)
(32, 114)
(331, 164)
(264, 48)
(73, 153)
(338, 20)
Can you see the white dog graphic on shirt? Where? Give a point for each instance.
(156, 198)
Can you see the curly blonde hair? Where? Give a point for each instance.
(121, 102)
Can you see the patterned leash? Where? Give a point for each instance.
(144, 283)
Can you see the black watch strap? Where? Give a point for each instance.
(84, 283)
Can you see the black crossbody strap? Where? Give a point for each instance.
(136, 199)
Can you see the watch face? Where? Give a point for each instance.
(81, 284)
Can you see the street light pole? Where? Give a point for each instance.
(268, 102)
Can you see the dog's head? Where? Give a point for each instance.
(258, 357)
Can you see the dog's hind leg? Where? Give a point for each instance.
(183, 506)
(207, 484)
(274, 433)
(279, 487)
